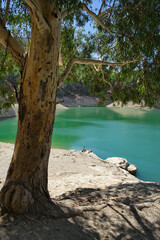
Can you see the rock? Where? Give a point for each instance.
(13, 112)
(116, 160)
(120, 162)
(60, 107)
(124, 164)
(132, 169)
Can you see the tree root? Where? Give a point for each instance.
(146, 204)
(57, 210)
(16, 199)
(80, 209)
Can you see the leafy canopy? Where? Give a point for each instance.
(130, 30)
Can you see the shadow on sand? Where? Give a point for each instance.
(132, 212)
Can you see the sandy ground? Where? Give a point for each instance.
(74, 169)
(132, 207)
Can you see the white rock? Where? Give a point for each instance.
(123, 163)
(116, 160)
(132, 169)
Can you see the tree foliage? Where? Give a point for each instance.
(130, 30)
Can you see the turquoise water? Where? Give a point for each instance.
(128, 133)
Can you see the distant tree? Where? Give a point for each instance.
(121, 55)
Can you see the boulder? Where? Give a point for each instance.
(124, 164)
(132, 169)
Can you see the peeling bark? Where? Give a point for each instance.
(26, 185)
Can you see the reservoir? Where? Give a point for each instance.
(109, 132)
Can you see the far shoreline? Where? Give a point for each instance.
(81, 101)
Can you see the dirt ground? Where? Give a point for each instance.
(122, 207)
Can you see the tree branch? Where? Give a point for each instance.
(101, 69)
(41, 22)
(32, 4)
(15, 88)
(60, 57)
(113, 8)
(86, 9)
(104, 77)
(66, 13)
(101, 6)
(97, 19)
(110, 14)
(6, 13)
(100, 15)
(86, 61)
(12, 45)
(67, 70)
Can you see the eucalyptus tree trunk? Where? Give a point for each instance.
(26, 185)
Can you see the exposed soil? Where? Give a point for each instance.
(121, 206)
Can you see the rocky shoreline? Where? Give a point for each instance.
(77, 101)
(121, 206)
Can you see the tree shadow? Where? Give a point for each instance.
(44, 228)
(122, 218)
(133, 210)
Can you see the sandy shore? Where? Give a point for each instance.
(74, 169)
(133, 210)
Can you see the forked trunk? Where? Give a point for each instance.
(26, 186)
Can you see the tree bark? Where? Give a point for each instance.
(26, 185)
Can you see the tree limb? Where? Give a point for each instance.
(32, 4)
(60, 57)
(6, 13)
(41, 21)
(104, 77)
(97, 19)
(110, 14)
(66, 13)
(113, 8)
(99, 62)
(100, 69)
(66, 72)
(101, 6)
(12, 45)
(73, 61)
(87, 10)
(15, 88)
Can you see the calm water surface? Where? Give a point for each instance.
(128, 133)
